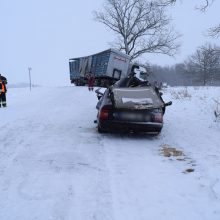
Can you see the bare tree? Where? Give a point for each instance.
(141, 26)
(206, 61)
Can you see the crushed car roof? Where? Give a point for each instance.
(137, 98)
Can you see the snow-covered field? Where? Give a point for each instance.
(55, 166)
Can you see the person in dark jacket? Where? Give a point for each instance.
(3, 91)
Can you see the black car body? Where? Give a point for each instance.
(131, 105)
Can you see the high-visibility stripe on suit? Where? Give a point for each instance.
(3, 91)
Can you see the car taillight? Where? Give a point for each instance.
(103, 114)
(158, 118)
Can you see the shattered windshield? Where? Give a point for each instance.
(136, 98)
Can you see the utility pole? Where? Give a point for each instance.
(29, 71)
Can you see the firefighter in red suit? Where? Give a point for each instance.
(91, 80)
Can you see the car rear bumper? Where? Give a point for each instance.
(119, 126)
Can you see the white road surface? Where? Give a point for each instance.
(54, 165)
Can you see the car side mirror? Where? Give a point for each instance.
(168, 103)
(99, 96)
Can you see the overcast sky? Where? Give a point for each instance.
(44, 34)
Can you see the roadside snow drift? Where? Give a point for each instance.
(55, 166)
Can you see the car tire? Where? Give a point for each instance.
(100, 130)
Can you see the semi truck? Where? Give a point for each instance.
(107, 67)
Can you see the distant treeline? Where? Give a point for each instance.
(177, 76)
(200, 69)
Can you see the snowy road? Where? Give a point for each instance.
(55, 166)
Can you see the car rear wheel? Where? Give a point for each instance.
(100, 130)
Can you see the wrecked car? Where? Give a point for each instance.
(130, 105)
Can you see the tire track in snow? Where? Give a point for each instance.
(94, 196)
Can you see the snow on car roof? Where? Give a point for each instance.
(136, 97)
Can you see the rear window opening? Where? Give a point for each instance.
(136, 98)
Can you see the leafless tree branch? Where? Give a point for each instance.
(202, 7)
(205, 4)
(214, 31)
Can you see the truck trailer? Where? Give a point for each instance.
(107, 67)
